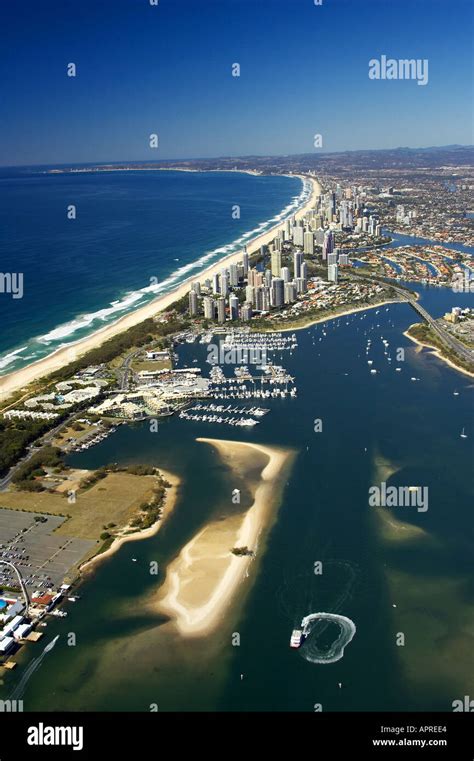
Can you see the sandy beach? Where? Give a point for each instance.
(203, 581)
(436, 352)
(168, 505)
(18, 379)
(335, 315)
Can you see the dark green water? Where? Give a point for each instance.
(124, 659)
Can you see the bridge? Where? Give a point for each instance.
(450, 341)
(447, 339)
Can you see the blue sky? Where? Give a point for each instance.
(166, 69)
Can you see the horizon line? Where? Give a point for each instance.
(240, 156)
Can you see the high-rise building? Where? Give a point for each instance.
(196, 286)
(297, 262)
(277, 292)
(285, 274)
(208, 303)
(224, 284)
(304, 271)
(221, 310)
(268, 278)
(287, 229)
(255, 277)
(298, 234)
(276, 263)
(247, 311)
(332, 258)
(300, 285)
(328, 243)
(245, 261)
(215, 283)
(319, 236)
(193, 302)
(308, 242)
(333, 273)
(343, 259)
(233, 275)
(250, 294)
(290, 292)
(266, 298)
(234, 307)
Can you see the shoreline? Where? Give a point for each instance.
(434, 350)
(335, 316)
(18, 379)
(168, 506)
(216, 564)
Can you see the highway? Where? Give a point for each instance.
(450, 341)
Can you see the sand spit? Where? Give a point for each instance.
(203, 581)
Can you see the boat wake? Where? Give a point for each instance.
(34, 666)
(313, 629)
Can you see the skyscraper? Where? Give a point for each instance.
(221, 310)
(245, 261)
(285, 274)
(277, 292)
(328, 243)
(234, 307)
(300, 285)
(298, 234)
(333, 273)
(247, 311)
(208, 307)
(276, 263)
(233, 275)
(224, 283)
(193, 302)
(290, 292)
(297, 262)
(308, 242)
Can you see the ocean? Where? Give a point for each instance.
(136, 235)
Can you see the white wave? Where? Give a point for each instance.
(130, 299)
(9, 358)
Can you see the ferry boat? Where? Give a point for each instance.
(297, 638)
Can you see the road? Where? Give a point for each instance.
(124, 370)
(32, 449)
(451, 342)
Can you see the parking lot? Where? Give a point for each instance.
(42, 557)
